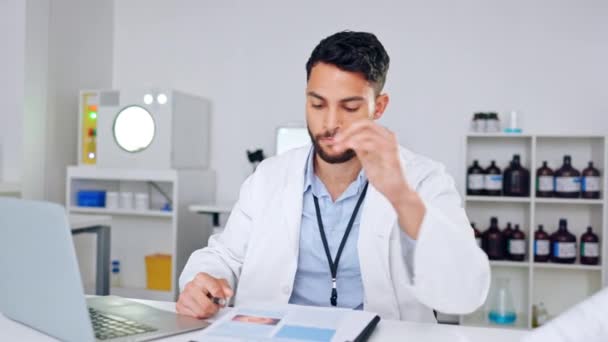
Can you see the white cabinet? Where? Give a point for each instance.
(558, 286)
(137, 233)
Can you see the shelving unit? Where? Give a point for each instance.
(558, 286)
(135, 233)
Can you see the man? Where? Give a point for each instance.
(353, 221)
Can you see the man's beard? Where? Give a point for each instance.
(341, 158)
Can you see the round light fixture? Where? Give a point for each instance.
(161, 98)
(148, 99)
(134, 129)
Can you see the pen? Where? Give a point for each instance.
(216, 300)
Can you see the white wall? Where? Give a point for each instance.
(12, 40)
(546, 58)
(35, 99)
(79, 57)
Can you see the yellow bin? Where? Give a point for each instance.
(158, 272)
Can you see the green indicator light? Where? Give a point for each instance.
(93, 115)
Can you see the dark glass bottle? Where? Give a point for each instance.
(506, 235)
(567, 180)
(475, 178)
(516, 180)
(590, 183)
(492, 241)
(517, 245)
(590, 248)
(542, 245)
(544, 181)
(493, 180)
(563, 245)
(477, 234)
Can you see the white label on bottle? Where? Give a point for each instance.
(493, 182)
(567, 184)
(545, 183)
(590, 249)
(476, 182)
(541, 247)
(478, 240)
(591, 184)
(517, 246)
(564, 249)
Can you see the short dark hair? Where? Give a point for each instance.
(353, 51)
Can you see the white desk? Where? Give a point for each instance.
(212, 209)
(387, 330)
(99, 225)
(11, 189)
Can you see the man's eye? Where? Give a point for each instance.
(317, 106)
(349, 109)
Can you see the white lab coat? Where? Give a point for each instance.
(258, 250)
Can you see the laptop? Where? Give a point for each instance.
(40, 284)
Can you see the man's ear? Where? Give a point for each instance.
(381, 104)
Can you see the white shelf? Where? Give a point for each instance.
(10, 188)
(498, 135)
(577, 267)
(507, 263)
(95, 173)
(582, 201)
(103, 211)
(498, 199)
(533, 282)
(125, 292)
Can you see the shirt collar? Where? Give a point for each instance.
(311, 181)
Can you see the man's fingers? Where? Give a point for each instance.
(208, 307)
(359, 127)
(226, 288)
(188, 303)
(184, 310)
(215, 288)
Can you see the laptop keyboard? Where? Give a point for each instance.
(107, 326)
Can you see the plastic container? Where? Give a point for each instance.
(111, 200)
(142, 201)
(91, 198)
(126, 200)
(158, 272)
(115, 278)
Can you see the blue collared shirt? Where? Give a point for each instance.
(312, 285)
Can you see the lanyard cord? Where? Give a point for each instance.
(333, 265)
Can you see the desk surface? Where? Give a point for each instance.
(211, 208)
(387, 330)
(86, 221)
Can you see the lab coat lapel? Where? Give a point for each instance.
(293, 196)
